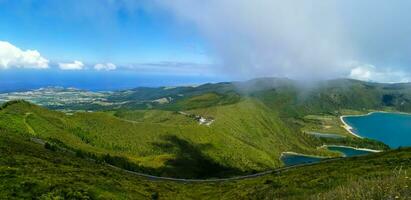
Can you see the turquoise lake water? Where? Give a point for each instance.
(391, 128)
(349, 151)
(290, 159)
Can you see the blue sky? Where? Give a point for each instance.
(66, 31)
(193, 41)
(144, 43)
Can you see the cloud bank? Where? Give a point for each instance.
(301, 39)
(367, 72)
(14, 57)
(76, 65)
(105, 67)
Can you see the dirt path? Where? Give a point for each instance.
(29, 128)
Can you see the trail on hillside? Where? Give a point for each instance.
(29, 128)
(182, 180)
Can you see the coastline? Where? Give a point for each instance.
(350, 129)
(361, 149)
(372, 112)
(301, 154)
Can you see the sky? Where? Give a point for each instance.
(112, 44)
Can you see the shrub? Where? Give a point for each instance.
(50, 147)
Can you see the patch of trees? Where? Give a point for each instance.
(9, 103)
(355, 142)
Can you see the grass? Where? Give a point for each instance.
(324, 124)
(248, 134)
(245, 137)
(206, 100)
(29, 170)
(155, 116)
(250, 130)
(396, 186)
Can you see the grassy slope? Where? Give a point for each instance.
(154, 116)
(251, 129)
(248, 135)
(245, 137)
(28, 170)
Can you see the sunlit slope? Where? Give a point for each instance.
(29, 170)
(244, 137)
(252, 123)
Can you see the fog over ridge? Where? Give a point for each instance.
(303, 39)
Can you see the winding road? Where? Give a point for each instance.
(250, 176)
(215, 180)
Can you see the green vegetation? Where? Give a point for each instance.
(155, 116)
(29, 170)
(323, 124)
(204, 100)
(246, 137)
(50, 154)
(253, 123)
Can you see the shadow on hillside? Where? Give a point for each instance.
(190, 161)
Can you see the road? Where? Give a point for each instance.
(160, 178)
(216, 180)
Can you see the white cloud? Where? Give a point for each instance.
(76, 65)
(296, 39)
(106, 67)
(368, 72)
(300, 39)
(12, 56)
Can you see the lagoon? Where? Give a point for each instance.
(296, 159)
(290, 159)
(393, 129)
(349, 151)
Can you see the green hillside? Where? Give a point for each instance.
(29, 170)
(293, 97)
(247, 124)
(204, 132)
(245, 137)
